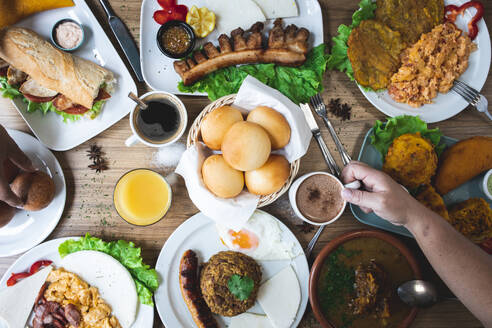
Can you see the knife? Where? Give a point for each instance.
(335, 170)
(124, 39)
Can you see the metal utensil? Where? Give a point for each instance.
(472, 96)
(139, 101)
(320, 109)
(124, 39)
(420, 293)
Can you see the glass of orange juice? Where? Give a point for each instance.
(142, 197)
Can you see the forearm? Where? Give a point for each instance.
(463, 266)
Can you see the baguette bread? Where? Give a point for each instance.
(76, 78)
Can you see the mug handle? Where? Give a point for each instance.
(131, 141)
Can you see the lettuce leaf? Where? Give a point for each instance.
(146, 280)
(384, 133)
(12, 92)
(338, 59)
(297, 83)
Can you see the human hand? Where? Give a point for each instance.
(382, 195)
(10, 151)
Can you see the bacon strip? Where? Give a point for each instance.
(285, 47)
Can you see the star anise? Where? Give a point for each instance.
(305, 227)
(94, 152)
(99, 165)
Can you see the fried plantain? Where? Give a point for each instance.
(374, 52)
(428, 197)
(473, 218)
(411, 160)
(410, 17)
(463, 161)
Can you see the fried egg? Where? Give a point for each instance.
(261, 238)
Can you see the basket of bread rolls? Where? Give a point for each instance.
(244, 148)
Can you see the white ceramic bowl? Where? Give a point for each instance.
(292, 198)
(484, 184)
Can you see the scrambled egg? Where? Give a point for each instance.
(431, 65)
(411, 160)
(66, 287)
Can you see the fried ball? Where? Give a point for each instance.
(428, 197)
(374, 52)
(411, 160)
(473, 218)
(410, 17)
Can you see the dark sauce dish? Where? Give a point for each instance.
(176, 39)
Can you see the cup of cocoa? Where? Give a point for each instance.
(316, 198)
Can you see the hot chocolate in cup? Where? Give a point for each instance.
(316, 198)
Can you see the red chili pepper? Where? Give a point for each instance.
(15, 277)
(451, 12)
(38, 265)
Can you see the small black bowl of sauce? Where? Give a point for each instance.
(176, 39)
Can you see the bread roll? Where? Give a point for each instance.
(274, 123)
(76, 78)
(6, 213)
(246, 146)
(217, 123)
(37, 190)
(221, 179)
(270, 177)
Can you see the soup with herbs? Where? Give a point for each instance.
(358, 281)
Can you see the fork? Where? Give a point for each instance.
(472, 96)
(320, 109)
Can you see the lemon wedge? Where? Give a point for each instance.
(201, 20)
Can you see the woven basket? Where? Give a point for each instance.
(194, 136)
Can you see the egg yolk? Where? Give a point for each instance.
(244, 239)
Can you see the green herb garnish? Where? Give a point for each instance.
(146, 280)
(240, 286)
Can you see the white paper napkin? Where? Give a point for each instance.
(234, 212)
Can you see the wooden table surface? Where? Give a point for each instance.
(89, 205)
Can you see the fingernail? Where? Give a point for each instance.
(347, 193)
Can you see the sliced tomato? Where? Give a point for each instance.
(36, 266)
(167, 4)
(487, 246)
(103, 95)
(15, 277)
(3, 71)
(162, 16)
(76, 110)
(38, 99)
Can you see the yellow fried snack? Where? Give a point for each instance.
(463, 161)
(428, 197)
(411, 160)
(473, 218)
(410, 17)
(13, 11)
(374, 52)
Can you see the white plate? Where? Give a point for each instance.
(158, 70)
(27, 229)
(50, 128)
(199, 234)
(450, 104)
(49, 251)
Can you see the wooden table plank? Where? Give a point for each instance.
(89, 196)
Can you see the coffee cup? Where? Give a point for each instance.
(316, 197)
(161, 124)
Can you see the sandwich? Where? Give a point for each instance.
(48, 79)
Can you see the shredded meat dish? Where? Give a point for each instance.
(431, 65)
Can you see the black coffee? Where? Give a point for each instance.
(160, 121)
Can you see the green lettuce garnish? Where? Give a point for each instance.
(127, 254)
(338, 59)
(297, 83)
(384, 133)
(12, 92)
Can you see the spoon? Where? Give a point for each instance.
(420, 293)
(139, 102)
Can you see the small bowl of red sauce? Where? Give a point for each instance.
(176, 39)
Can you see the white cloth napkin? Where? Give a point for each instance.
(235, 212)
